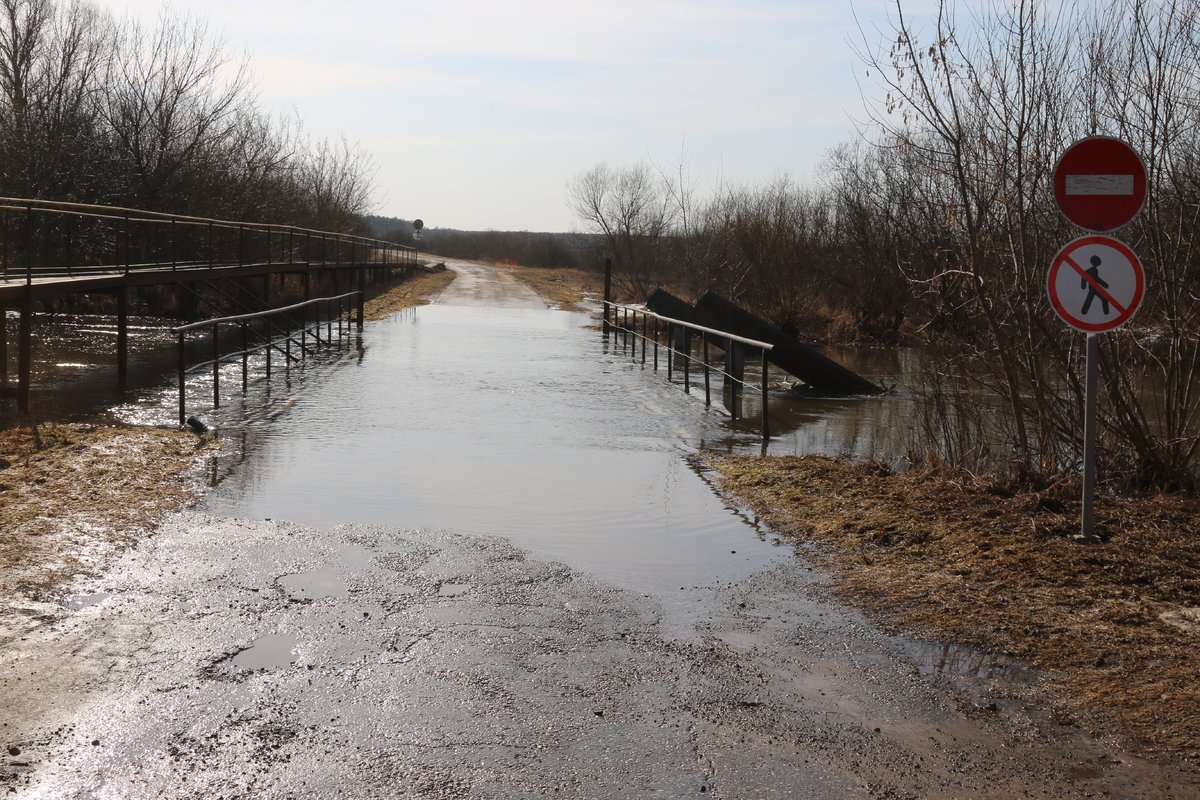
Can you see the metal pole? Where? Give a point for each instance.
(245, 356)
(1089, 434)
(707, 389)
(687, 361)
(122, 336)
(670, 351)
(766, 428)
(607, 290)
(182, 387)
(216, 354)
(656, 344)
(643, 340)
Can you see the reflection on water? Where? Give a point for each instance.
(499, 421)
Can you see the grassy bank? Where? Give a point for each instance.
(1115, 625)
(72, 494)
(418, 288)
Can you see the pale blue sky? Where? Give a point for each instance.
(478, 113)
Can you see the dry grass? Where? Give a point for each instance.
(86, 492)
(1115, 625)
(417, 289)
(565, 288)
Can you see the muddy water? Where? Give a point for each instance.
(519, 422)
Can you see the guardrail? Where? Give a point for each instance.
(343, 308)
(50, 238)
(627, 326)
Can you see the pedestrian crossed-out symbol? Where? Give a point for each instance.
(1095, 283)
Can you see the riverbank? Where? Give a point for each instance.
(1114, 627)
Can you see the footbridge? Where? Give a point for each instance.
(60, 255)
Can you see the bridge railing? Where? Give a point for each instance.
(46, 238)
(653, 326)
(312, 315)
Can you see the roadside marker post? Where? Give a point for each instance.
(1096, 283)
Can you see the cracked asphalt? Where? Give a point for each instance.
(236, 657)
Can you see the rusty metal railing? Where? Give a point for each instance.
(625, 322)
(336, 308)
(58, 239)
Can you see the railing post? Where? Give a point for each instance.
(270, 344)
(125, 238)
(241, 245)
(174, 247)
(687, 361)
(707, 389)
(182, 383)
(644, 323)
(245, 356)
(211, 255)
(670, 351)
(656, 344)
(28, 245)
(216, 354)
(607, 290)
(766, 426)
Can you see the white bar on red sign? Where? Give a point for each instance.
(1100, 184)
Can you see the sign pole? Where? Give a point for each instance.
(1089, 434)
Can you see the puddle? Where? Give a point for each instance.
(272, 651)
(965, 662)
(314, 585)
(85, 600)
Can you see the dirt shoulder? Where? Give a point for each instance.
(1116, 625)
(568, 289)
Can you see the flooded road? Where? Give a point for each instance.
(475, 560)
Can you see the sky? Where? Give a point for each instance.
(478, 113)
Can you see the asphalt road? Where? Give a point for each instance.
(227, 657)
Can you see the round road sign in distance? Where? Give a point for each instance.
(418, 224)
(1100, 183)
(1095, 283)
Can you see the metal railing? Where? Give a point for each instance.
(337, 308)
(625, 322)
(55, 239)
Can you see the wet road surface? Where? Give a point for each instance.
(421, 623)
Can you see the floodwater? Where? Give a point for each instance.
(496, 415)
(516, 422)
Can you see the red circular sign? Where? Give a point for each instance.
(1100, 183)
(1095, 283)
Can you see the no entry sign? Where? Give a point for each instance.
(1095, 284)
(1100, 183)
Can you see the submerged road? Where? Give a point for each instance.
(475, 563)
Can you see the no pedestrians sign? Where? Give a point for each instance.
(1100, 183)
(1095, 284)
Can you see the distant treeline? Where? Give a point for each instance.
(549, 250)
(98, 110)
(940, 223)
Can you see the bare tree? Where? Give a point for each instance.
(629, 209)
